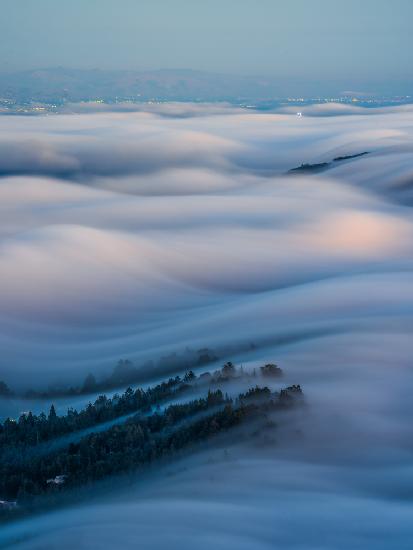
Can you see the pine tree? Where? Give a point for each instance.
(52, 414)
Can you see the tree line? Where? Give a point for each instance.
(124, 373)
(31, 429)
(135, 443)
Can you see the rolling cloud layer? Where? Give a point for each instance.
(130, 234)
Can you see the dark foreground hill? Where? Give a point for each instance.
(37, 459)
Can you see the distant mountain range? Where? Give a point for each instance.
(61, 84)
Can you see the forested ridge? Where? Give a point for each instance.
(124, 373)
(32, 429)
(137, 441)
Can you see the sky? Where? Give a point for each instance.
(370, 41)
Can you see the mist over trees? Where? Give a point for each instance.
(136, 441)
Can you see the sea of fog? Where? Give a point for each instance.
(136, 233)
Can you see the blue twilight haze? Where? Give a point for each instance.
(359, 45)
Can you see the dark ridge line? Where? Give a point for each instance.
(137, 443)
(310, 167)
(30, 430)
(321, 166)
(348, 157)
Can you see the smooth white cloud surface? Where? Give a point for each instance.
(134, 234)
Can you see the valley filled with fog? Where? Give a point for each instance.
(140, 233)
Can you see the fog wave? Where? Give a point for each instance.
(133, 234)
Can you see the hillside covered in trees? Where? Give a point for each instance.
(37, 459)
